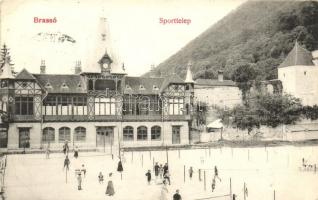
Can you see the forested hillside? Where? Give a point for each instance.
(257, 34)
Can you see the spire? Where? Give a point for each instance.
(6, 70)
(189, 78)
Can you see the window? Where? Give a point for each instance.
(141, 87)
(79, 106)
(48, 85)
(142, 133)
(176, 106)
(64, 134)
(143, 105)
(105, 106)
(24, 105)
(48, 134)
(154, 87)
(128, 133)
(64, 86)
(80, 134)
(155, 133)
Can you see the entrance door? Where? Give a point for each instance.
(24, 137)
(175, 134)
(104, 136)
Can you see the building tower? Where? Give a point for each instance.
(189, 90)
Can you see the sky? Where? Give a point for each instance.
(139, 38)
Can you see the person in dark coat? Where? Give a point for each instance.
(110, 186)
(216, 173)
(165, 169)
(66, 163)
(148, 174)
(120, 167)
(76, 152)
(156, 170)
(65, 147)
(190, 172)
(167, 177)
(234, 197)
(177, 196)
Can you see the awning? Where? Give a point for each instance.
(216, 124)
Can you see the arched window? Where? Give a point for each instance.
(142, 133)
(48, 134)
(80, 134)
(64, 134)
(155, 133)
(128, 133)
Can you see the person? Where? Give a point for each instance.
(177, 196)
(166, 177)
(120, 167)
(83, 170)
(76, 152)
(164, 191)
(161, 171)
(65, 147)
(148, 174)
(165, 168)
(213, 184)
(79, 180)
(234, 197)
(216, 173)
(190, 172)
(47, 152)
(110, 187)
(100, 178)
(66, 163)
(156, 168)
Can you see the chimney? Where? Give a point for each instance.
(78, 67)
(220, 75)
(42, 67)
(152, 71)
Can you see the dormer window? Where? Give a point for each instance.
(141, 87)
(154, 87)
(128, 87)
(48, 85)
(64, 86)
(79, 85)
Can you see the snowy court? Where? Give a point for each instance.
(32, 177)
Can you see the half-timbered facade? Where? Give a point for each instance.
(92, 110)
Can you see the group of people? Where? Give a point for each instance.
(161, 171)
(308, 166)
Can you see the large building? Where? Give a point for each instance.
(298, 74)
(217, 92)
(96, 108)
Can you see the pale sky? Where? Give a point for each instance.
(134, 27)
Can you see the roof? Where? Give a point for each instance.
(142, 85)
(189, 77)
(174, 78)
(298, 56)
(5, 71)
(62, 83)
(24, 75)
(214, 82)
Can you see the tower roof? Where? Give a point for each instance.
(189, 77)
(298, 56)
(5, 66)
(25, 75)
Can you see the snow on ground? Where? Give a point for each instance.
(264, 170)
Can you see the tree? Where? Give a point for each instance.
(243, 75)
(267, 109)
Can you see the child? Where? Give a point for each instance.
(79, 180)
(66, 163)
(83, 170)
(47, 152)
(100, 178)
(148, 174)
